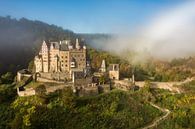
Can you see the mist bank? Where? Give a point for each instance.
(169, 34)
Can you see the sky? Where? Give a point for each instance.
(89, 16)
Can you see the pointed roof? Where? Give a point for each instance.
(46, 43)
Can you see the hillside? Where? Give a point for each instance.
(62, 110)
(182, 107)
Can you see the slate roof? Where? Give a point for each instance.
(55, 45)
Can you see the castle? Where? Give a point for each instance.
(65, 64)
(62, 57)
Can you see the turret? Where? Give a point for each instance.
(77, 44)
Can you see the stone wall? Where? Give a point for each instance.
(56, 76)
(21, 76)
(123, 84)
(40, 79)
(88, 91)
(27, 92)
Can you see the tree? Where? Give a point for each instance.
(7, 78)
(31, 66)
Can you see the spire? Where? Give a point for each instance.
(103, 66)
(44, 47)
(44, 43)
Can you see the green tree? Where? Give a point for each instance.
(7, 78)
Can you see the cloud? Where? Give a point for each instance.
(171, 34)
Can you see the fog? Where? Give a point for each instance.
(169, 34)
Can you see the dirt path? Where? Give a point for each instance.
(174, 90)
(158, 120)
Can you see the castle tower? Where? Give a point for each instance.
(38, 63)
(56, 58)
(45, 57)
